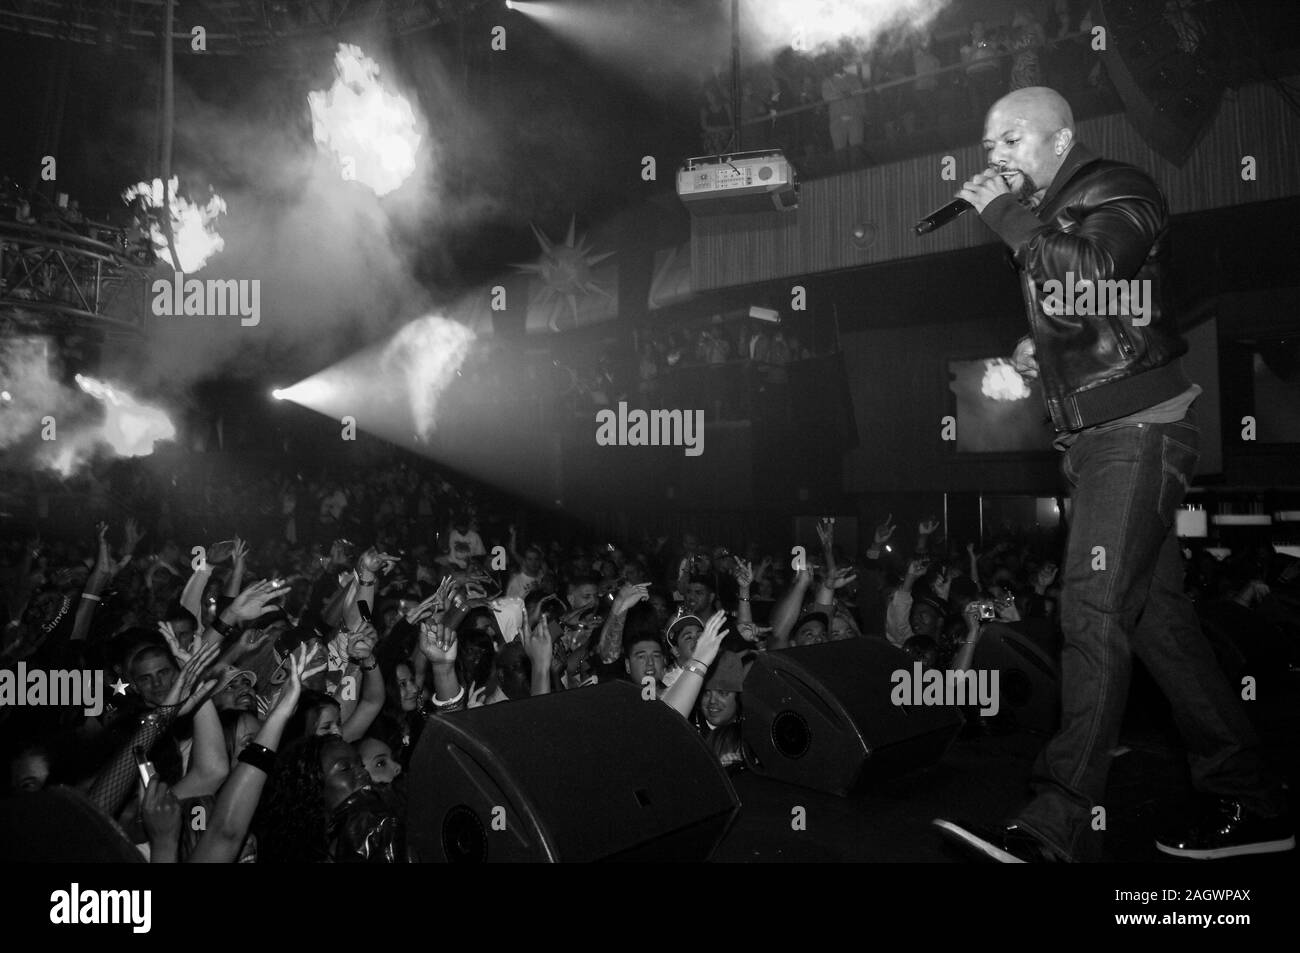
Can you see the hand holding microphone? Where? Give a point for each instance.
(976, 193)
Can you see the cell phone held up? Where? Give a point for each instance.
(144, 766)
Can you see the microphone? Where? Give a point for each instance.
(942, 216)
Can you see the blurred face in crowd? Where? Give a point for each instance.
(152, 673)
(811, 632)
(324, 721)
(659, 603)
(379, 761)
(582, 595)
(699, 599)
(925, 620)
(344, 773)
(30, 771)
(533, 562)
(645, 658)
(237, 696)
(245, 730)
(718, 707)
(840, 629)
(408, 691)
(687, 636)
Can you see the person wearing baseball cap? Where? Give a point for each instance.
(682, 634)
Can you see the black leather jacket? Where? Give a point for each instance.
(1099, 220)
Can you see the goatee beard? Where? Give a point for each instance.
(1028, 189)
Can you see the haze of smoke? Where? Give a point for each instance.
(335, 271)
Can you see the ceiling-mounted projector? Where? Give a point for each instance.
(742, 182)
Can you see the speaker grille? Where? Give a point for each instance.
(464, 841)
(790, 734)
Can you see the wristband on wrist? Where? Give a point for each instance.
(91, 597)
(696, 666)
(225, 629)
(362, 663)
(258, 756)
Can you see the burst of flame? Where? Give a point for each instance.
(1002, 382)
(194, 227)
(129, 427)
(807, 24)
(371, 131)
(427, 352)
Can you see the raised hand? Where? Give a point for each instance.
(181, 654)
(250, 640)
(926, 527)
(1046, 576)
(252, 602)
(296, 668)
(885, 530)
(239, 553)
(438, 643)
(841, 578)
(706, 649)
(187, 690)
(943, 585)
(361, 643)
(629, 596)
(160, 813)
(104, 565)
(372, 561)
(132, 538)
(748, 631)
(826, 532)
(744, 573)
(537, 643)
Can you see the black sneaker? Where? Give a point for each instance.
(1006, 845)
(1228, 831)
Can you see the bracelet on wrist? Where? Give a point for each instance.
(225, 629)
(258, 756)
(90, 596)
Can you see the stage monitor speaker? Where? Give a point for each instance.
(1029, 683)
(593, 774)
(821, 716)
(60, 825)
(1167, 64)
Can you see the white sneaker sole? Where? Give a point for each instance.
(1239, 850)
(988, 849)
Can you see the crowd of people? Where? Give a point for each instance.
(845, 103)
(281, 684)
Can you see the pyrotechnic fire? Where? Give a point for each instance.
(130, 427)
(194, 227)
(807, 24)
(1002, 382)
(371, 131)
(428, 352)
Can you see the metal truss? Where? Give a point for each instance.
(231, 26)
(57, 277)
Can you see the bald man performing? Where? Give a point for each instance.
(1123, 408)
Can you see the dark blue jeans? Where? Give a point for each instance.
(1122, 594)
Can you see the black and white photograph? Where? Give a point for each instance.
(785, 432)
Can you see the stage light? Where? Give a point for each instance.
(510, 5)
(277, 394)
(4, 395)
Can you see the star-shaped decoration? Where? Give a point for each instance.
(119, 687)
(565, 272)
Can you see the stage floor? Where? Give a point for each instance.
(983, 779)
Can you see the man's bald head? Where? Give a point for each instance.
(1027, 133)
(1038, 106)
